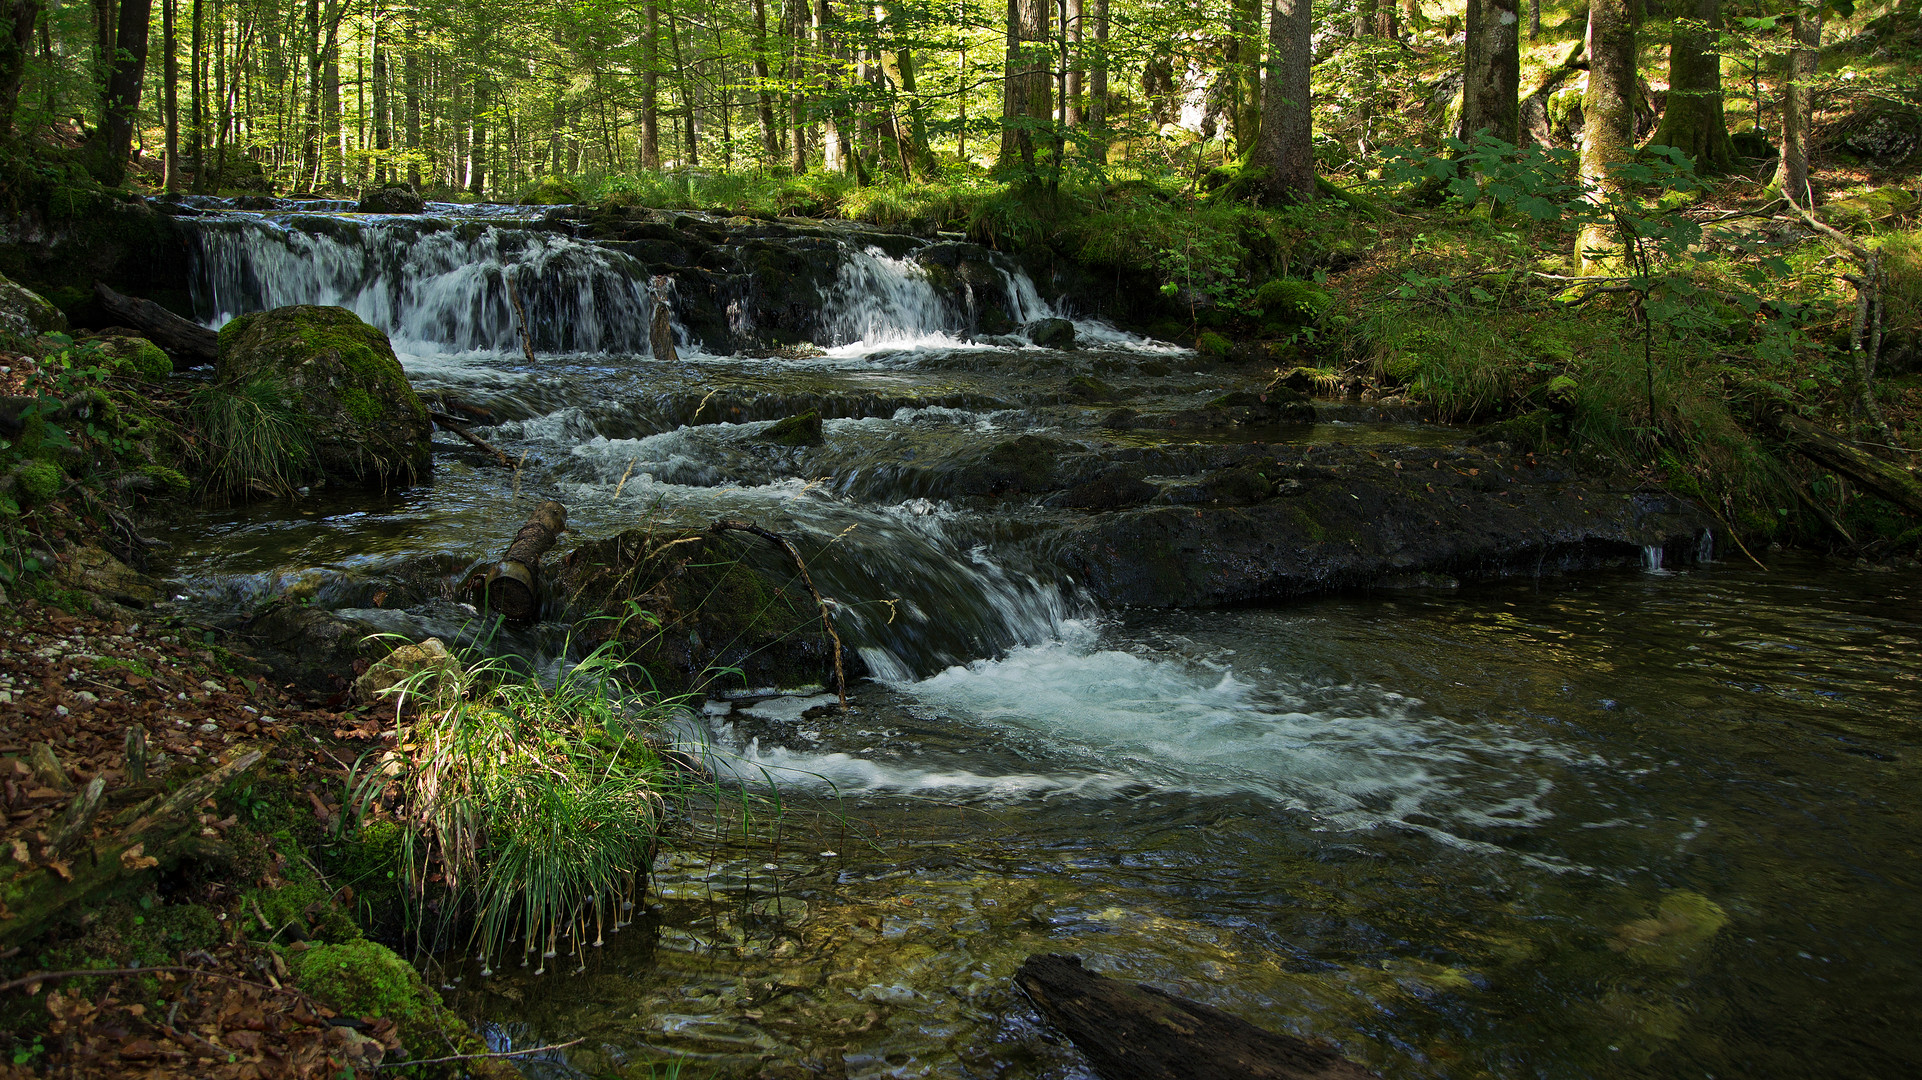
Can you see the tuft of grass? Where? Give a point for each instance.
(256, 441)
(538, 804)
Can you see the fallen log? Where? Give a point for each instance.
(1135, 1032)
(1891, 481)
(512, 586)
(660, 330)
(32, 894)
(188, 343)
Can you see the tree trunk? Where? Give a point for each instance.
(794, 14)
(1608, 116)
(15, 45)
(383, 110)
(1492, 72)
(1098, 85)
(1025, 104)
(333, 137)
(691, 147)
(170, 99)
(410, 75)
(651, 86)
(477, 174)
(1244, 68)
(1285, 149)
(1693, 122)
(310, 136)
(120, 107)
(764, 100)
(1073, 111)
(188, 343)
(1534, 19)
(196, 101)
(513, 585)
(1792, 172)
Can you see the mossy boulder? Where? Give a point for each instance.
(802, 430)
(1213, 344)
(1861, 211)
(363, 978)
(1288, 303)
(714, 600)
(391, 199)
(1051, 333)
(552, 191)
(25, 313)
(341, 376)
(134, 354)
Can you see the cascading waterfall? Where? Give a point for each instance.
(879, 299)
(432, 285)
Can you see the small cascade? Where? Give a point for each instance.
(1705, 547)
(432, 285)
(1652, 557)
(878, 299)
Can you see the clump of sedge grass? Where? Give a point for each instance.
(538, 805)
(256, 441)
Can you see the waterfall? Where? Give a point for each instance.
(432, 285)
(1652, 557)
(1705, 547)
(878, 299)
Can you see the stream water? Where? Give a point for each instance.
(1639, 823)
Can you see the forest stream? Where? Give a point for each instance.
(1653, 819)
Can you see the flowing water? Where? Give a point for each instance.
(1655, 822)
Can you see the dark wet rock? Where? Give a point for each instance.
(1348, 518)
(1275, 405)
(1118, 487)
(1241, 485)
(391, 199)
(309, 646)
(802, 430)
(87, 236)
(340, 376)
(715, 601)
(1051, 333)
(256, 203)
(1024, 465)
(25, 313)
(1120, 419)
(1089, 388)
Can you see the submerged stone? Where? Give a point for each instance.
(1051, 333)
(801, 430)
(1681, 928)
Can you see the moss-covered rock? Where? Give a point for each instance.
(363, 978)
(1861, 211)
(801, 430)
(1289, 303)
(713, 601)
(1051, 333)
(391, 199)
(25, 313)
(552, 191)
(1213, 344)
(341, 376)
(134, 354)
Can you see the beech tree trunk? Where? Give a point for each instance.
(1792, 172)
(1492, 72)
(650, 86)
(1285, 148)
(1098, 84)
(1608, 115)
(112, 144)
(764, 100)
(15, 45)
(1025, 101)
(1693, 121)
(1072, 110)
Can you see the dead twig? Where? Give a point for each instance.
(476, 1057)
(520, 318)
(454, 424)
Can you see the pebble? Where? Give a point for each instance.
(86, 697)
(61, 710)
(209, 728)
(212, 687)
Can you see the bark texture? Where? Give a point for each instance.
(1608, 114)
(1285, 149)
(1025, 104)
(1492, 71)
(1792, 172)
(1693, 121)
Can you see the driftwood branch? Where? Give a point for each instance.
(827, 620)
(1133, 1032)
(188, 343)
(512, 586)
(455, 425)
(520, 318)
(660, 329)
(481, 1057)
(1890, 481)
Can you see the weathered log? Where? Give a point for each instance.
(188, 343)
(79, 816)
(513, 585)
(47, 768)
(31, 895)
(1134, 1032)
(1891, 481)
(134, 754)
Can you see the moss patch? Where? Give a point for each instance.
(364, 978)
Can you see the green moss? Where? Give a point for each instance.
(1089, 388)
(364, 978)
(1212, 344)
(167, 477)
(38, 481)
(151, 361)
(1289, 302)
(301, 905)
(802, 430)
(136, 667)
